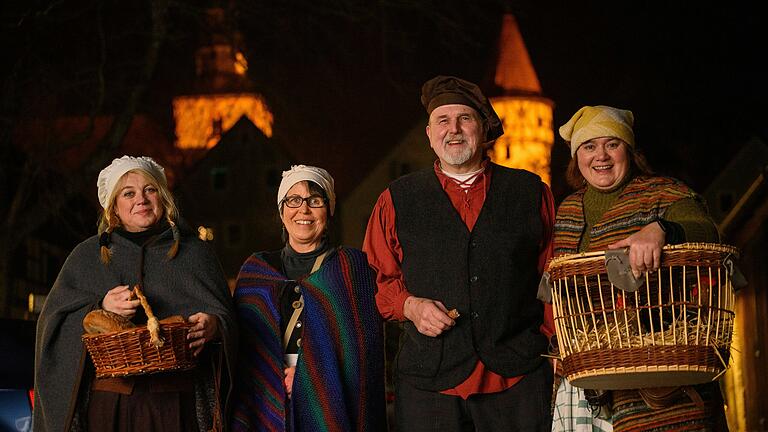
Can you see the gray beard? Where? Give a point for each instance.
(460, 158)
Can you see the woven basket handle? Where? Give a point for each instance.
(152, 324)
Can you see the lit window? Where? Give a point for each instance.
(241, 64)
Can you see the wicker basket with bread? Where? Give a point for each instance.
(118, 347)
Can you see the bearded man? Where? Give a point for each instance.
(459, 249)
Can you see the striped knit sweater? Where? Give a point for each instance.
(642, 201)
(339, 379)
(613, 216)
(684, 414)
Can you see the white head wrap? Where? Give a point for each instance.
(317, 175)
(109, 176)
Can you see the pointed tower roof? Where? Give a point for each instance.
(219, 62)
(514, 71)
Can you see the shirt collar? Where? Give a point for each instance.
(446, 180)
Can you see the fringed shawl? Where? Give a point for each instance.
(339, 380)
(643, 200)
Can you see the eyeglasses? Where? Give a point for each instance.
(295, 201)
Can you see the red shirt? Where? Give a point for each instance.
(385, 255)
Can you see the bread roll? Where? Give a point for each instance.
(101, 321)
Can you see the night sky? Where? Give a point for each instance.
(343, 77)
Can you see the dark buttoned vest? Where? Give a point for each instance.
(489, 274)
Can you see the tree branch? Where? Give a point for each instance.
(34, 217)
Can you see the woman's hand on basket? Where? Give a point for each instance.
(644, 248)
(429, 316)
(205, 329)
(118, 300)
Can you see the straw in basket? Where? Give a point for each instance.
(674, 328)
(141, 350)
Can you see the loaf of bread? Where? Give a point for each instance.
(101, 321)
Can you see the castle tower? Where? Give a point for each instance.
(517, 98)
(223, 92)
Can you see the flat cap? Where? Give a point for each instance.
(448, 90)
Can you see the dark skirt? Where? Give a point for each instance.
(160, 402)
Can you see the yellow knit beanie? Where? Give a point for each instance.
(598, 121)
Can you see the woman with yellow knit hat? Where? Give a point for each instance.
(619, 203)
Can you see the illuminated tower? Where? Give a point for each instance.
(524, 111)
(224, 93)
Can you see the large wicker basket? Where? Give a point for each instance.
(675, 329)
(130, 352)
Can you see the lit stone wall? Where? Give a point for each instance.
(528, 136)
(201, 119)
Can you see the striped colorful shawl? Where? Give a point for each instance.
(642, 201)
(632, 414)
(339, 380)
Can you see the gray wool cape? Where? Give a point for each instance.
(191, 282)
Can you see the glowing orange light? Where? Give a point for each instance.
(202, 119)
(241, 64)
(528, 137)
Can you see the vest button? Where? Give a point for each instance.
(473, 244)
(473, 279)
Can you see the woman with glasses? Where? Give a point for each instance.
(311, 349)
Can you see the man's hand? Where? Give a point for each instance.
(644, 248)
(430, 316)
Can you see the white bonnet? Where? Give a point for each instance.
(109, 176)
(317, 175)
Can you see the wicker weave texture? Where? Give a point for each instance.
(677, 325)
(130, 352)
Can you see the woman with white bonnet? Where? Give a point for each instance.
(620, 203)
(311, 349)
(140, 240)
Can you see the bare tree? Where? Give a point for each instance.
(358, 60)
(41, 73)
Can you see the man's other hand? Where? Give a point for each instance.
(430, 316)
